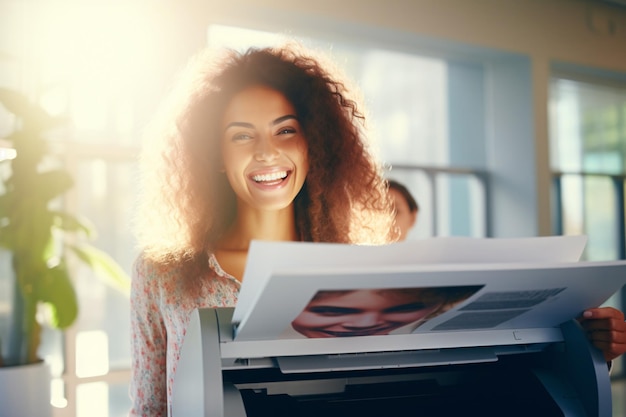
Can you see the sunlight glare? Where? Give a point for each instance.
(97, 51)
(239, 38)
(92, 400)
(92, 353)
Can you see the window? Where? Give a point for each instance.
(588, 154)
(588, 151)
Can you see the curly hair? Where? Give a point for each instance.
(186, 203)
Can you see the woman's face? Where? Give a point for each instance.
(362, 313)
(405, 219)
(264, 150)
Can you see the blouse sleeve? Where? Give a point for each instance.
(148, 390)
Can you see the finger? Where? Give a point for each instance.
(615, 325)
(607, 336)
(612, 344)
(603, 313)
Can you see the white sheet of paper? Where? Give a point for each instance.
(266, 258)
(512, 295)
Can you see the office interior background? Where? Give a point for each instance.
(505, 118)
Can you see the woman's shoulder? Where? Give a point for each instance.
(149, 267)
(151, 272)
(152, 277)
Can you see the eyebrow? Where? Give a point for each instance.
(251, 126)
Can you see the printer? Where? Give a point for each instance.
(561, 375)
(511, 347)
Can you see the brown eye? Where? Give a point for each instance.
(287, 131)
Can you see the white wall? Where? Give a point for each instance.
(586, 32)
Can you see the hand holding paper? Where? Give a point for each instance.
(606, 330)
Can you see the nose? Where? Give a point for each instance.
(265, 149)
(363, 321)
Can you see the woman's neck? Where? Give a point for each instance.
(278, 225)
(232, 248)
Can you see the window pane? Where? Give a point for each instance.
(92, 400)
(119, 401)
(600, 221)
(406, 99)
(106, 192)
(461, 206)
(589, 209)
(588, 127)
(100, 399)
(588, 140)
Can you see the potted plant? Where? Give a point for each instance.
(38, 236)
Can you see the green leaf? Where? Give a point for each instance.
(51, 184)
(57, 292)
(32, 114)
(73, 224)
(103, 265)
(6, 238)
(4, 204)
(33, 234)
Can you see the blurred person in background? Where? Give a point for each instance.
(406, 206)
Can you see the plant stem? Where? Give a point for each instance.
(16, 353)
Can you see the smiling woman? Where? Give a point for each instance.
(267, 144)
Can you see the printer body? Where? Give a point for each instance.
(511, 372)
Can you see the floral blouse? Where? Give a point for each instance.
(160, 312)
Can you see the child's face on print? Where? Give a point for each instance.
(362, 313)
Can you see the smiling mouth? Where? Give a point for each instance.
(270, 178)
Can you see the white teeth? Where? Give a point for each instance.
(270, 177)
